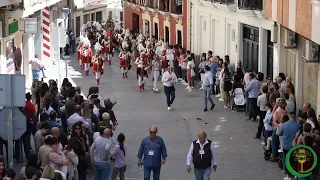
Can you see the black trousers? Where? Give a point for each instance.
(253, 108)
(261, 124)
(82, 169)
(170, 94)
(176, 67)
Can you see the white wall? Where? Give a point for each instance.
(218, 35)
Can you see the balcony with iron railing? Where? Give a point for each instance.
(223, 1)
(250, 4)
(164, 6)
(176, 7)
(228, 5)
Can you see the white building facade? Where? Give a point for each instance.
(227, 27)
(14, 34)
(93, 10)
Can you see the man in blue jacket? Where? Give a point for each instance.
(154, 154)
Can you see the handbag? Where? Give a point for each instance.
(193, 74)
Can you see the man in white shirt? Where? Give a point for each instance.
(261, 103)
(76, 117)
(207, 86)
(36, 67)
(169, 78)
(201, 152)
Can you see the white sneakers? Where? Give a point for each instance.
(221, 99)
(218, 95)
(155, 89)
(169, 108)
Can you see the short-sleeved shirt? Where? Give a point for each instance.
(30, 110)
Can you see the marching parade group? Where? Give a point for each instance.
(134, 48)
(73, 135)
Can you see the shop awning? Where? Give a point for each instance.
(31, 7)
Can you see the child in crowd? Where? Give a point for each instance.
(268, 123)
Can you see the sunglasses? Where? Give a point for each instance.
(152, 132)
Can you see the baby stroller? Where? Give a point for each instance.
(238, 99)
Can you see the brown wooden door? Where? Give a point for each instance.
(135, 22)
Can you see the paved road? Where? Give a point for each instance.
(239, 156)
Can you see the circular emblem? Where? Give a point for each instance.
(306, 159)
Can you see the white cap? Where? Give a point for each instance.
(106, 116)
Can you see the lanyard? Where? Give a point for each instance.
(152, 142)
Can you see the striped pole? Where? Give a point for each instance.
(45, 29)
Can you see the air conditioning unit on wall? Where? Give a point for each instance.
(289, 39)
(310, 51)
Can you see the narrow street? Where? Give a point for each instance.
(239, 156)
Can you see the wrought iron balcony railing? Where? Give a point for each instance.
(154, 4)
(176, 7)
(164, 5)
(223, 1)
(250, 4)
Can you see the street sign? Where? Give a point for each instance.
(17, 89)
(30, 25)
(58, 37)
(19, 124)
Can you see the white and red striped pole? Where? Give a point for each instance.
(45, 35)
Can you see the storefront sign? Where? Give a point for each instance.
(30, 25)
(13, 27)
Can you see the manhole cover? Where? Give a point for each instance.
(193, 95)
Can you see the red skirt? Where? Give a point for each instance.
(124, 63)
(86, 59)
(97, 68)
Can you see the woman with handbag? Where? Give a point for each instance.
(190, 72)
(119, 152)
(78, 142)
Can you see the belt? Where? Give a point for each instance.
(207, 86)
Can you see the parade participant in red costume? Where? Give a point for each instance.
(150, 52)
(86, 58)
(79, 54)
(164, 62)
(125, 61)
(97, 68)
(142, 68)
(108, 50)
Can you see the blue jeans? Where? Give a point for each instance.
(246, 95)
(207, 96)
(35, 74)
(101, 170)
(275, 143)
(170, 94)
(267, 134)
(202, 174)
(155, 170)
(73, 46)
(184, 74)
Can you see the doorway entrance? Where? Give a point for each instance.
(146, 28)
(250, 47)
(179, 37)
(167, 35)
(156, 31)
(135, 22)
(269, 56)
